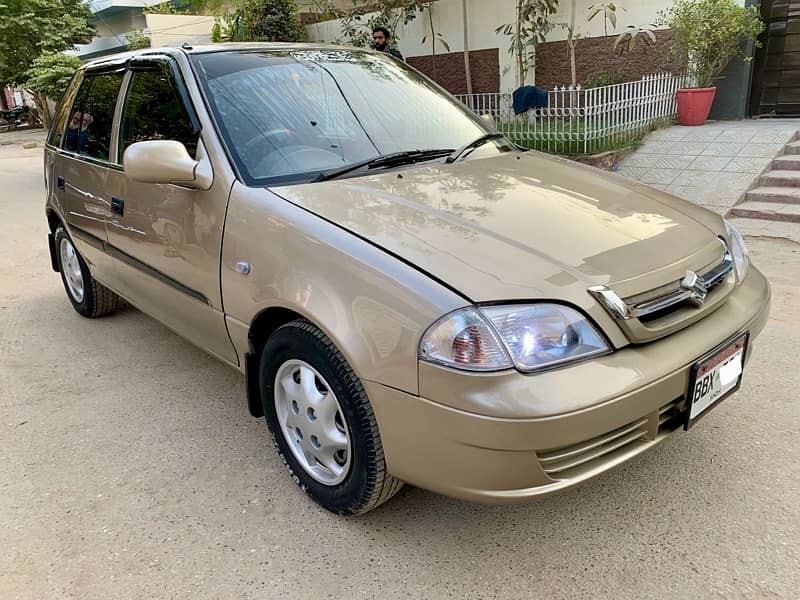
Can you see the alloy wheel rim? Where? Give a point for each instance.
(312, 422)
(71, 268)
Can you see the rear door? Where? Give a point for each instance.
(81, 164)
(167, 239)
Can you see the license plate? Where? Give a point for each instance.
(714, 377)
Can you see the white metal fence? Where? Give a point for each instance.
(580, 121)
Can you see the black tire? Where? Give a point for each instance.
(97, 300)
(367, 484)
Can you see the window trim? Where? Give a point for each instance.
(113, 150)
(105, 69)
(74, 84)
(146, 62)
(149, 62)
(125, 66)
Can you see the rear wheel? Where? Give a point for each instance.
(321, 421)
(88, 297)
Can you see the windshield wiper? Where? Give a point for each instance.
(395, 159)
(472, 146)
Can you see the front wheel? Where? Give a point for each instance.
(88, 297)
(321, 421)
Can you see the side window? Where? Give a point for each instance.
(154, 111)
(62, 116)
(89, 129)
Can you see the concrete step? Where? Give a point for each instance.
(780, 195)
(793, 148)
(789, 162)
(780, 179)
(763, 228)
(768, 211)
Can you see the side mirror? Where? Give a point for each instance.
(167, 161)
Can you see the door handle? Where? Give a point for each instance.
(60, 184)
(117, 206)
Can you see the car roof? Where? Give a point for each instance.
(253, 46)
(123, 57)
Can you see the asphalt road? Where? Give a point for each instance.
(130, 468)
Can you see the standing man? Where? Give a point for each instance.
(380, 41)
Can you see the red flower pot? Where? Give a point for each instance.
(694, 104)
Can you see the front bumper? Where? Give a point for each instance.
(509, 437)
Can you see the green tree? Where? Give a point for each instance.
(708, 34)
(357, 29)
(165, 8)
(30, 28)
(51, 73)
(136, 39)
(264, 21)
(530, 27)
(216, 32)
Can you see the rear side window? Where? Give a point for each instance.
(62, 116)
(154, 111)
(89, 130)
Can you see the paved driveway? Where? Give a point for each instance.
(129, 468)
(713, 164)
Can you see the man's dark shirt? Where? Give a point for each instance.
(77, 139)
(396, 53)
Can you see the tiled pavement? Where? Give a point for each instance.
(713, 164)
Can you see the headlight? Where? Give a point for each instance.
(465, 340)
(738, 250)
(529, 337)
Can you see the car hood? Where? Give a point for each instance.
(521, 226)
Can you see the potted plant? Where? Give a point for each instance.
(707, 35)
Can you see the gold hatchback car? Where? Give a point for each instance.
(411, 297)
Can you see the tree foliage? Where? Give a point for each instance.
(51, 73)
(609, 12)
(359, 21)
(30, 28)
(166, 8)
(626, 41)
(263, 21)
(708, 34)
(136, 39)
(530, 27)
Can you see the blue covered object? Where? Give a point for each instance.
(529, 97)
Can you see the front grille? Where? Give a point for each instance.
(657, 312)
(562, 463)
(713, 275)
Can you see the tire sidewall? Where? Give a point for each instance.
(83, 307)
(294, 342)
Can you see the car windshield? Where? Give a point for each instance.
(289, 115)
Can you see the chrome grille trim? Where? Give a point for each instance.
(623, 310)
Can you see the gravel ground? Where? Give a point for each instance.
(130, 468)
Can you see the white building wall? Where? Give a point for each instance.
(119, 24)
(174, 30)
(485, 16)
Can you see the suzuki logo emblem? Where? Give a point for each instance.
(694, 284)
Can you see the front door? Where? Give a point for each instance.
(776, 72)
(166, 239)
